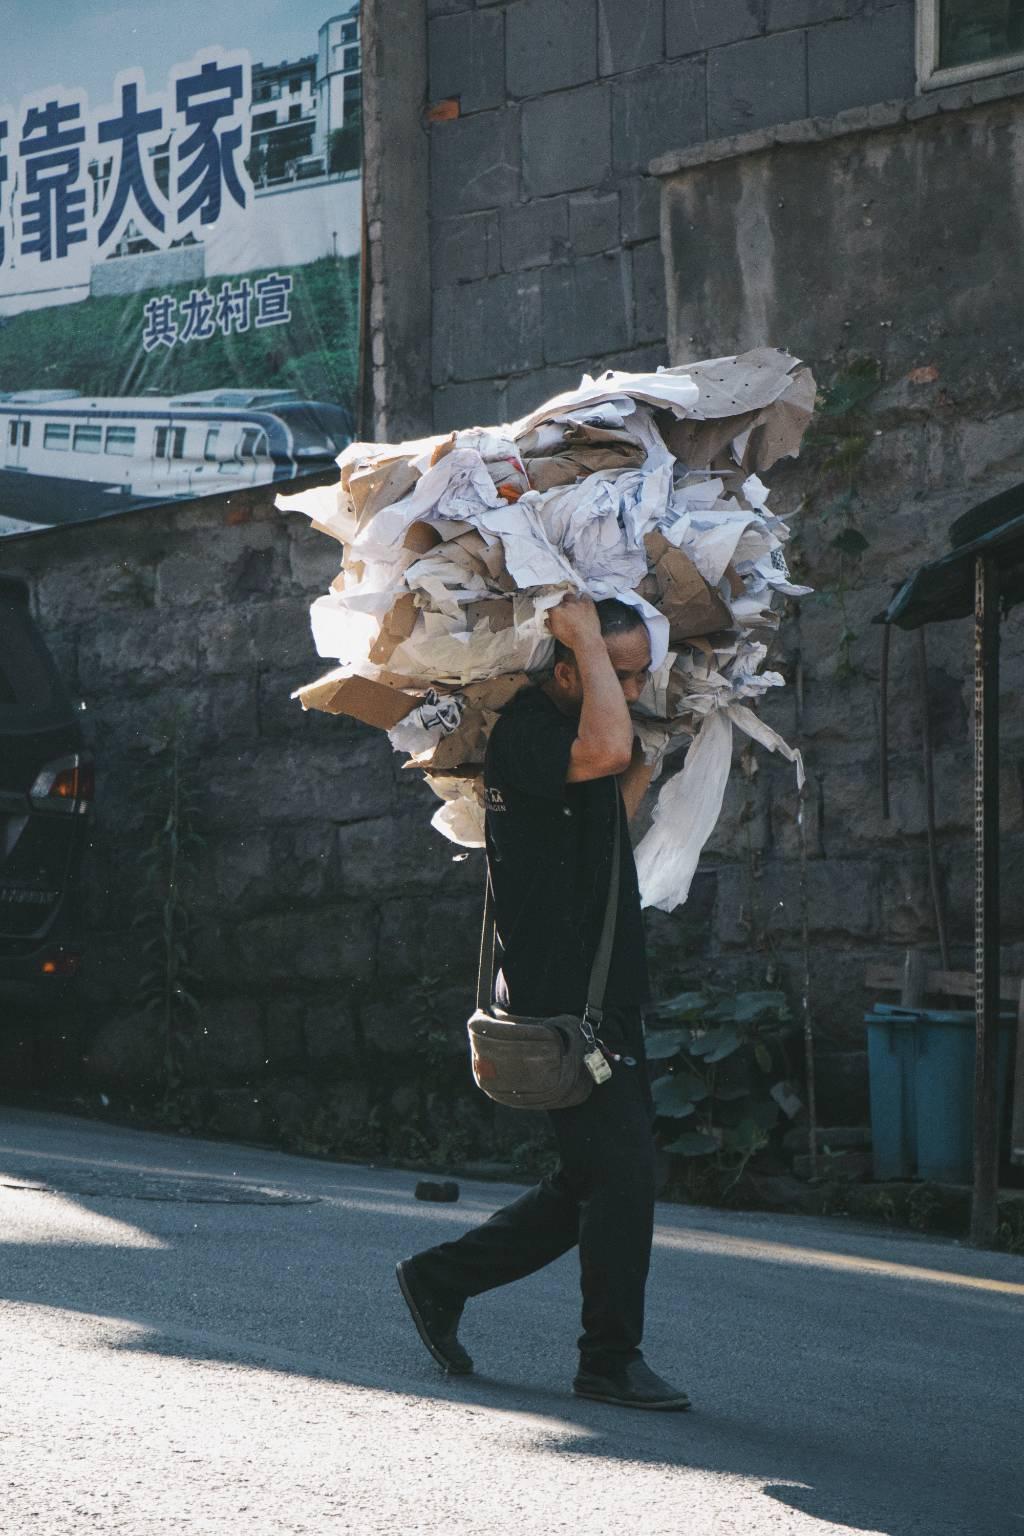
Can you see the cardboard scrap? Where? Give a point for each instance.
(397, 625)
(374, 703)
(691, 606)
(489, 559)
(496, 692)
(420, 538)
(472, 553)
(698, 444)
(779, 430)
(464, 553)
(378, 486)
(728, 386)
(761, 402)
(583, 451)
(496, 612)
(466, 746)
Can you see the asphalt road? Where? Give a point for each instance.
(201, 1337)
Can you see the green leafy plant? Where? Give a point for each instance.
(163, 924)
(726, 1061)
(852, 388)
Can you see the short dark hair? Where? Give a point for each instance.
(615, 618)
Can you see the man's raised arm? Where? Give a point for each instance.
(604, 738)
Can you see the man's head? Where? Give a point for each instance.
(629, 648)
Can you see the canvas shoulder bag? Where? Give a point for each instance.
(541, 1063)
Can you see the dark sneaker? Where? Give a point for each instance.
(633, 1385)
(436, 1322)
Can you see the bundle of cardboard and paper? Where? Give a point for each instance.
(644, 487)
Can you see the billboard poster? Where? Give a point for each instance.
(180, 231)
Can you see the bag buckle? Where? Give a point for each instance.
(590, 1024)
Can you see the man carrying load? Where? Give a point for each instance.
(562, 770)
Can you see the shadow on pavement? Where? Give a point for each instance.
(831, 1428)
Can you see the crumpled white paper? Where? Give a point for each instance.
(504, 554)
(690, 804)
(439, 715)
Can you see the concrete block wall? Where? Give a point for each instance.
(857, 257)
(331, 927)
(545, 258)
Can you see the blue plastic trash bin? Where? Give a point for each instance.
(921, 1071)
(945, 1093)
(891, 1054)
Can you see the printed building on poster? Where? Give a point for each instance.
(306, 113)
(304, 136)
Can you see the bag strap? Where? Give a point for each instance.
(594, 1011)
(487, 965)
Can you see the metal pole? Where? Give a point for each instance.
(883, 723)
(928, 752)
(805, 999)
(986, 899)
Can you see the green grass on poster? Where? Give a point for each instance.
(96, 346)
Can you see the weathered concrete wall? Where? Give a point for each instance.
(544, 217)
(396, 189)
(894, 248)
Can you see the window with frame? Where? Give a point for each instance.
(960, 40)
(57, 436)
(169, 443)
(19, 433)
(254, 444)
(88, 439)
(120, 440)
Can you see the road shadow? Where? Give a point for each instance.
(822, 1427)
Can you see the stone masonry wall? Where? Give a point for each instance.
(333, 930)
(545, 252)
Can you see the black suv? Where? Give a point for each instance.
(46, 791)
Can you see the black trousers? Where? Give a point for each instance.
(601, 1198)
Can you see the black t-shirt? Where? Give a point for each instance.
(549, 848)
